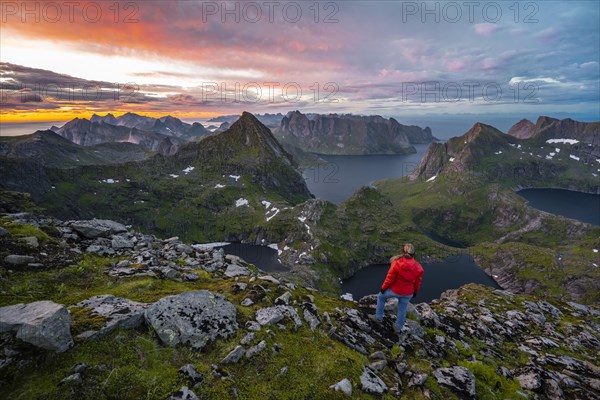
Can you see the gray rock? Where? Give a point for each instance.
(549, 308)
(117, 311)
(418, 379)
(184, 248)
(18, 260)
(579, 307)
(4, 232)
(190, 372)
(248, 338)
(311, 315)
(247, 302)
(239, 287)
(269, 278)
(234, 270)
(44, 324)
(272, 315)
(184, 394)
(168, 272)
(253, 326)
(378, 365)
(284, 299)
(371, 383)
(123, 264)
(254, 350)
(344, 386)
(120, 242)
(193, 318)
(97, 228)
(74, 378)
(190, 277)
(458, 378)
(378, 355)
(553, 390)
(530, 380)
(31, 241)
(234, 355)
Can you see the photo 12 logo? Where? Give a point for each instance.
(268, 92)
(469, 11)
(471, 91)
(69, 11)
(270, 11)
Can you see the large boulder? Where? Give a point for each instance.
(118, 312)
(44, 324)
(193, 318)
(95, 228)
(458, 378)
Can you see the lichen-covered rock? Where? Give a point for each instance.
(458, 378)
(272, 315)
(44, 324)
(193, 318)
(117, 311)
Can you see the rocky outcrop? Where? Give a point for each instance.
(192, 318)
(44, 324)
(116, 312)
(95, 228)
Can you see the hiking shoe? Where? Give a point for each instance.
(374, 319)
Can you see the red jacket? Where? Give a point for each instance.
(404, 277)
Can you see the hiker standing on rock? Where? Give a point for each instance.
(403, 281)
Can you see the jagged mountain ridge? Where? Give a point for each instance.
(349, 134)
(52, 150)
(163, 135)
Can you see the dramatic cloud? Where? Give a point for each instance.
(202, 58)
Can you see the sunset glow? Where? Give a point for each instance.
(201, 59)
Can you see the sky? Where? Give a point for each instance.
(436, 63)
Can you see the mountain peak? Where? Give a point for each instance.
(523, 129)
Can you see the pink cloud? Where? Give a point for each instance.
(485, 29)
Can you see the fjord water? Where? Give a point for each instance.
(263, 257)
(584, 207)
(337, 180)
(452, 273)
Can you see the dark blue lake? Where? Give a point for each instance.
(452, 273)
(577, 205)
(263, 257)
(337, 180)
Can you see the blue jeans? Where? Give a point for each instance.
(402, 304)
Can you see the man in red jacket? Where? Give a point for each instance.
(403, 281)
